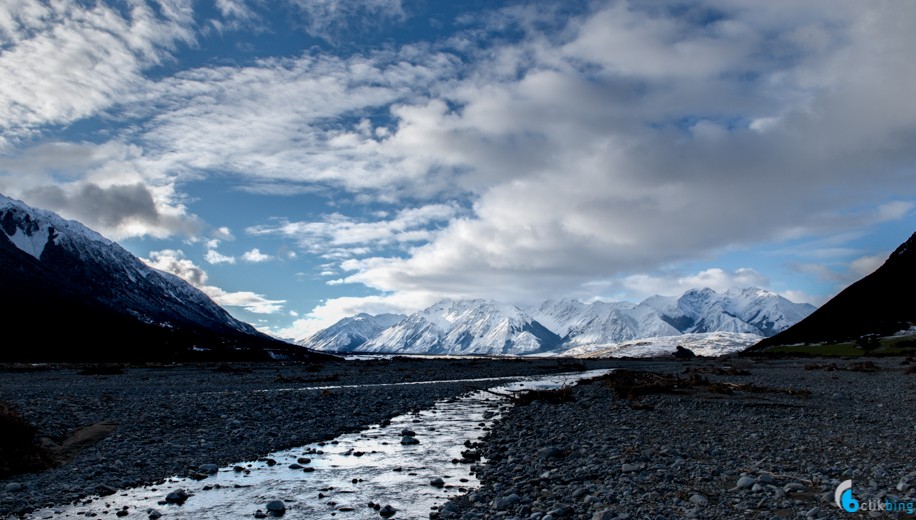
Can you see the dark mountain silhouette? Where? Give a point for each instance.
(881, 303)
(69, 294)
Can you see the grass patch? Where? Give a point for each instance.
(891, 346)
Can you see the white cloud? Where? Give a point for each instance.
(256, 256)
(65, 61)
(866, 265)
(105, 186)
(215, 257)
(173, 261)
(339, 236)
(328, 19)
(648, 158)
(642, 286)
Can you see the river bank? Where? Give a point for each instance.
(747, 439)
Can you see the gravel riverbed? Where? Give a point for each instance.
(758, 439)
(165, 421)
(776, 447)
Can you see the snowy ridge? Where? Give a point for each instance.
(349, 333)
(712, 321)
(465, 327)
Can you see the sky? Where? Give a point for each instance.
(306, 160)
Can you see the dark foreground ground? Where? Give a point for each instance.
(149, 423)
(736, 438)
(741, 439)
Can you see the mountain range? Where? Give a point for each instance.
(487, 327)
(74, 295)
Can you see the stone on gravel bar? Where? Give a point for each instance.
(437, 482)
(387, 511)
(409, 440)
(13, 487)
(179, 496)
(745, 482)
(699, 500)
(210, 469)
(276, 508)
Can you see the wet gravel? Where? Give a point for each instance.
(174, 420)
(701, 454)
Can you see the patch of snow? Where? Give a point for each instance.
(31, 243)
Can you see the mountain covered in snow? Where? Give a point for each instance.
(349, 333)
(480, 327)
(75, 295)
(558, 326)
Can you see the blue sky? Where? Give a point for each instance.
(303, 161)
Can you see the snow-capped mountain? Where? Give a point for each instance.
(748, 311)
(740, 317)
(64, 282)
(349, 333)
(601, 322)
(465, 327)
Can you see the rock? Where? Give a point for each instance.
(604, 514)
(408, 433)
(813, 512)
(178, 497)
(507, 501)
(154, 514)
(295, 466)
(745, 482)
(210, 469)
(437, 482)
(551, 452)
(13, 487)
(683, 353)
(699, 500)
(259, 514)
(409, 440)
(793, 486)
(628, 468)
(276, 508)
(122, 512)
(387, 511)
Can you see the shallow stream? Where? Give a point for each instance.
(337, 479)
